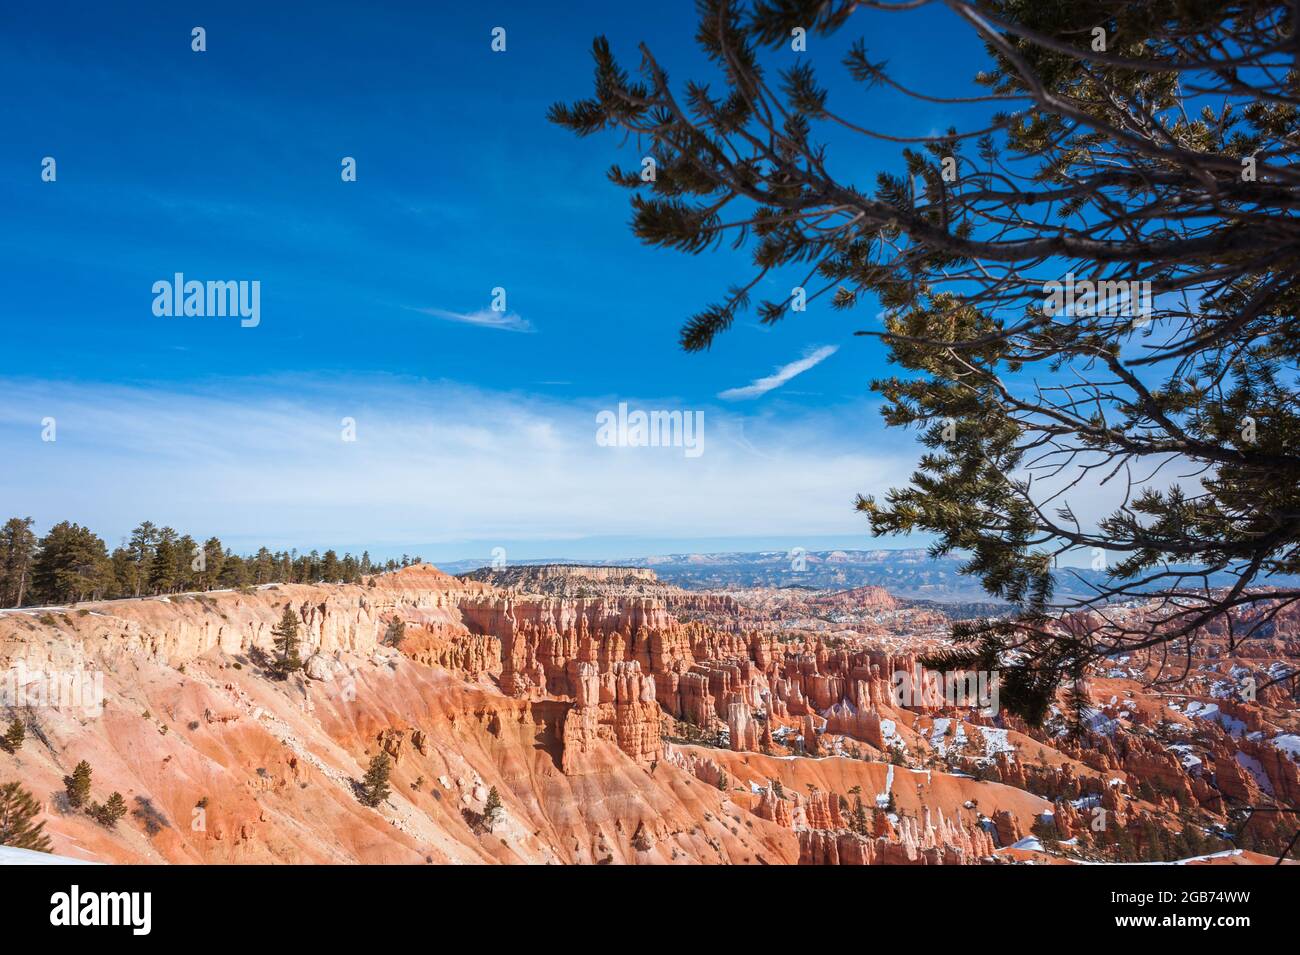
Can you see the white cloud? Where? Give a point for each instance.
(257, 461)
(485, 317)
(779, 377)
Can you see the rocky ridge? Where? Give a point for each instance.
(636, 723)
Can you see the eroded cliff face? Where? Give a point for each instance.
(1130, 780)
(174, 630)
(219, 762)
(616, 706)
(565, 704)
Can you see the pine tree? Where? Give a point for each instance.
(1083, 841)
(859, 816)
(1124, 848)
(264, 569)
(491, 809)
(13, 739)
(17, 550)
(108, 814)
(1046, 832)
(18, 809)
(395, 633)
(77, 785)
(185, 574)
(331, 570)
(72, 565)
(162, 571)
(374, 789)
(954, 244)
(1193, 840)
(286, 643)
(1153, 842)
(214, 558)
(141, 547)
(234, 572)
(126, 574)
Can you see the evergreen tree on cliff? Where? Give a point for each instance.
(18, 812)
(17, 550)
(140, 547)
(14, 736)
(491, 809)
(77, 786)
(214, 559)
(234, 572)
(72, 565)
(162, 569)
(286, 643)
(374, 788)
(110, 812)
(185, 574)
(1146, 147)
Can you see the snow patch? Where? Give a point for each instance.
(11, 856)
(1289, 743)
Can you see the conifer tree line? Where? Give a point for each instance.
(72, 563)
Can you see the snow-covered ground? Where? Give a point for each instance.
(1288, 743)
(11, 856)
(1212, 713)
(1251, 765)
(1099, 722)
(882, 799)
(1185, 755)
(939, 733)
(995, 741)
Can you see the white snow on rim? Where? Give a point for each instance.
(11, 856)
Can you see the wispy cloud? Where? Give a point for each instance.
(485, 317)
(779, 377)
(265, 461)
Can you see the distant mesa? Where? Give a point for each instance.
(601, 572)
(572, 580)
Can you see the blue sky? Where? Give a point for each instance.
(225, 165)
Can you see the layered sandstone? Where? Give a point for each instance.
(561, 700)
